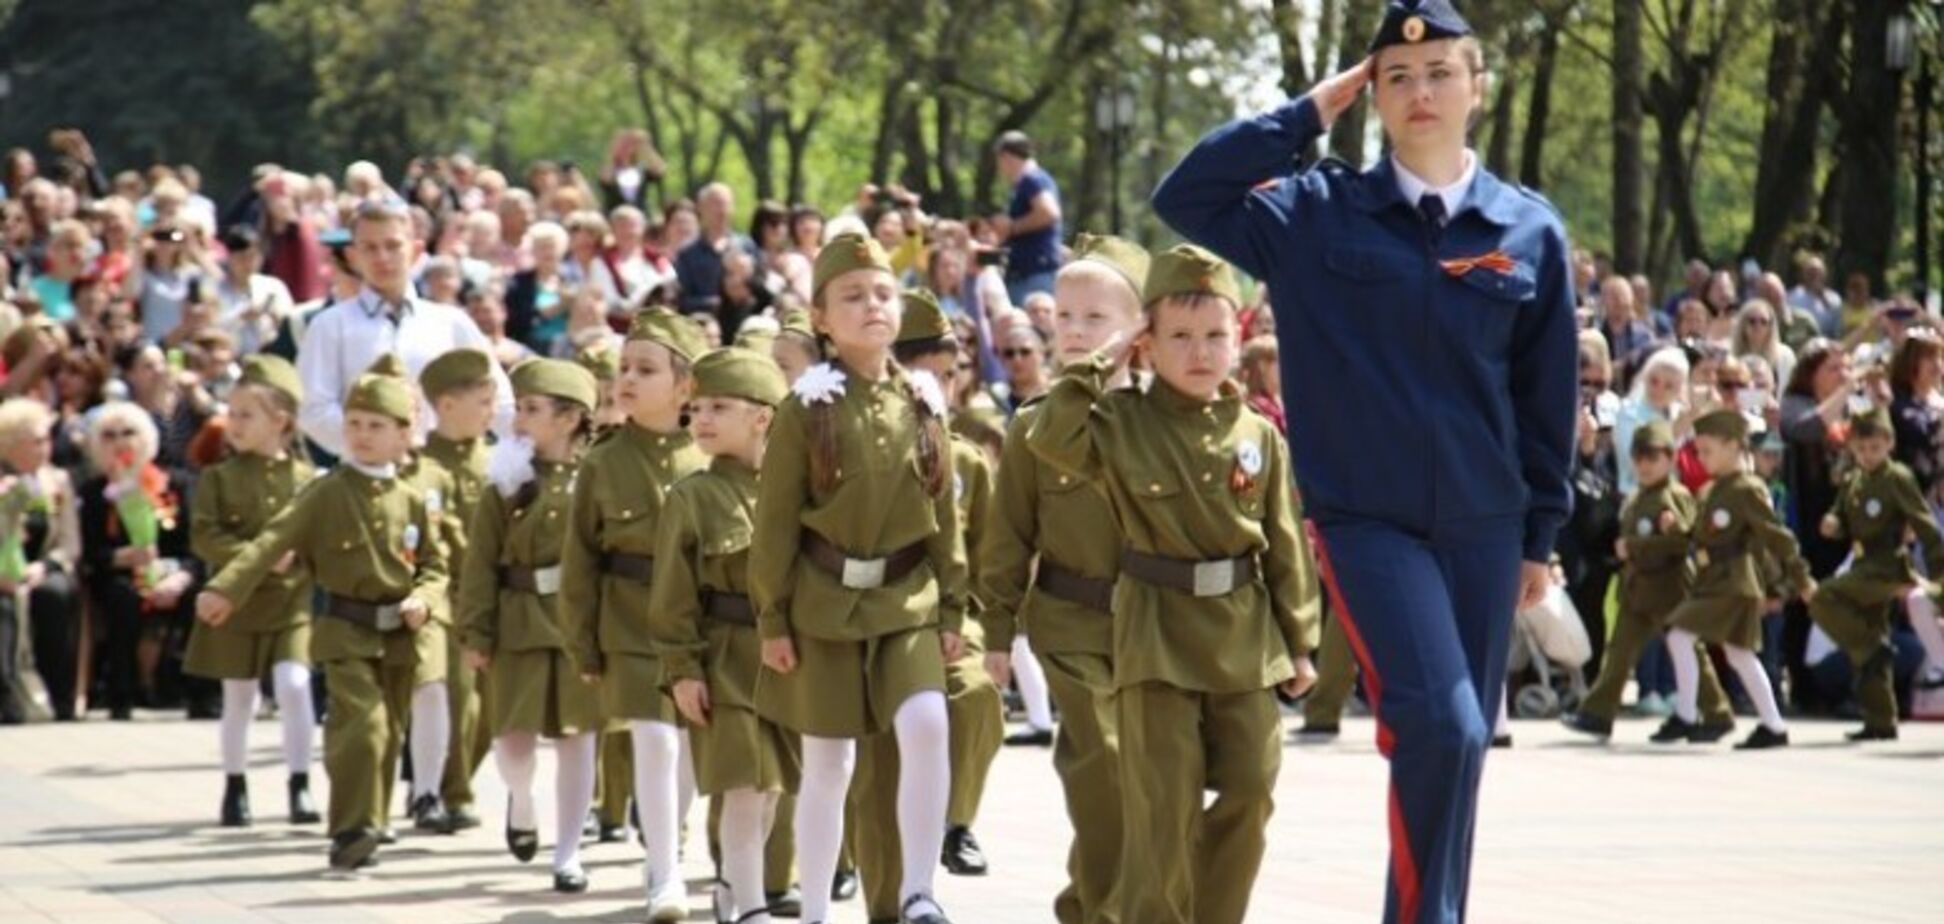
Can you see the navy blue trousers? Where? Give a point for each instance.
(1430, 622)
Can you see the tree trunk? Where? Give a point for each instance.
(1867, 222)
(1287, 17)
(1785, 178)
(1498, 153)
(1628, 172)
(1539, 106)
(1347, 132)
(890, 104)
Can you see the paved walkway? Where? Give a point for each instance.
(107, 822)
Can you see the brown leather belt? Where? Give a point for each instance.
(861, 573)
(637, 568)
(541, 582)
(379, 617)
(734, 609)
(1073, 587)
(1214, 578)
(1725, 551)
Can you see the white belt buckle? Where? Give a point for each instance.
(546, 581)
(1214, 578)
(388, 618)
(864, 573)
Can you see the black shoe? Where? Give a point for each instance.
(1502, 742)
(934, 916)
(962, 856)
(844, 887)
(462, 819)
(521, 844)
(1763, 739)
(429, 814)
(613, 834)
(236, 801)
(121, 714)
(1710, 732)
(785, 904)
(1588, 724)
(570, 881)
(303, 810)
(1673, 731)
(201, 710)
(1866, 733)
(388, 835)
(1031, 737)
(352, 849)
(1319, 731)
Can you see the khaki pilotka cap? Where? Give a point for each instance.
(844, 253)
(1873, 422)
(273, 372)
(739, 372)
(454, 370)
(556, 378)
(923, 318)
(679, 334)
(1725, 424)
(1189, 270)
(382, 389)
(600, 359)
(1130, 260)
(1654, 434)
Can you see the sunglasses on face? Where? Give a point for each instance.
(1018, 352)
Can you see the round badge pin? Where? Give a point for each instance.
(1646, 527)
(1873, 507)
(1721, 519)
(1414, 29)
(1249, 456)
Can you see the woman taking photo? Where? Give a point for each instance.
(1442, 297)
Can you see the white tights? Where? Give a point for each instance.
(747, 816)
(514, 752)
(431, 737)
(1687, 679)
(291, 682)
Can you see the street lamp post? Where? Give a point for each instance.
(1114, 116)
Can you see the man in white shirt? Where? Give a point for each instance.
(1814, 295)
(384, 317)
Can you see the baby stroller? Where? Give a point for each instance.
(1549, 639)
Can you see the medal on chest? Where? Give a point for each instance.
(1248, 464)
(410, 540)
(1873, 508)
(1645, 527)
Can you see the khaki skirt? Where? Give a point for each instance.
(739, 749)
(538, 691)
(221, 653)
(631, 690)
(851, 689)
(1733, 621)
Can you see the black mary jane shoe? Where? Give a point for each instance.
(1764, 738)
(844, 887)
(935, 914)
(1588, 725)
(1866, 733)
(570, 881)
(1675, 730)
(236, 801)
(521, 844)
(303, 809)
(962, 856)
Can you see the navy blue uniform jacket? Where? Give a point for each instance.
(1416, 397)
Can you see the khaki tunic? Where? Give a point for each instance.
(234, 500)
(1173, 469)
(535, 686)
(860, 652)
(617, 508)
(458, 470)
(707, 525)
(1735, 527)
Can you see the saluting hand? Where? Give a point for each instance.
(1340, 91)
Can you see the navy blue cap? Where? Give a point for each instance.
(1408, 22)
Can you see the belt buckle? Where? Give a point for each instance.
(864, 573)
(1214, 578)
(546, 581)
(387, 618)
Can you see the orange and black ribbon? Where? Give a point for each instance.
(1498, 261)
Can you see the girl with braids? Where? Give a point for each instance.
(857, 571)
(271, 628)
(509, 620)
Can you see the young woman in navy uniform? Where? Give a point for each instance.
(1425, 312)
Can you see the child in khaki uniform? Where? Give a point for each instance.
(705, 628)
(1736, 526)
(608, 568)
(271, 630)
(1047, 567)
(1215, 607)
(509, 609)
(858, 574)
(372, 544)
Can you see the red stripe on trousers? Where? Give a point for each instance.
(1403, 863)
